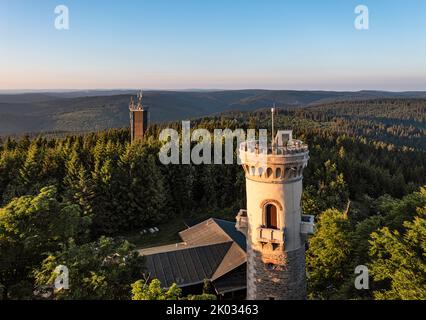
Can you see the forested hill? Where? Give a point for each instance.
(401, 122)
(96, 110)
(410, 110)
(60, 196)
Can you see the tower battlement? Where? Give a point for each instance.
(278, 161)
(292, 147)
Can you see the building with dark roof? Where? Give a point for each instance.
(212, 250)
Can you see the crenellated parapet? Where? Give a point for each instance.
(274, 163)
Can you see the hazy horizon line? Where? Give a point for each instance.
(68, 90)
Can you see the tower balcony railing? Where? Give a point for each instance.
(256, 147)
(270, 235)
(307, 225)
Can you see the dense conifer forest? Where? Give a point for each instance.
(80, 199)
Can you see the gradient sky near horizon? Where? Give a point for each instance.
(221, 44)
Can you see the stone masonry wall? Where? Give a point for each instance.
(265, 281)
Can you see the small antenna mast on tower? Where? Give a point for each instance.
(140, 96)
(132, 103)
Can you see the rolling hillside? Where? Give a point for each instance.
(95, 110)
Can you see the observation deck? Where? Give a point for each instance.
(284, 159)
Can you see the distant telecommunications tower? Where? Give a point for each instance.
(273, 223)
(138, 118)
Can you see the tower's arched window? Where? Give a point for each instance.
(271, 216)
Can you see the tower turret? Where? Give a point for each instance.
(138, 118)
(273, 222)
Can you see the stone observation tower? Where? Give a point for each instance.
(273, 223)
(138, 118)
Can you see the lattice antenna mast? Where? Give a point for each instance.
(140, 96)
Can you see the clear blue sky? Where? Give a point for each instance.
(176, 44)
